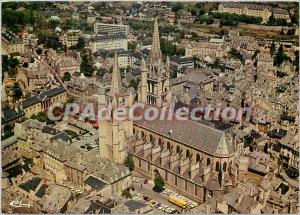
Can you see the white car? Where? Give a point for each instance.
(165, 192)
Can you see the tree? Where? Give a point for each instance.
(86, 66)
(67, 76)
(9, 64)
(126, 193)
(129, 163)
(80, 44)
(177, 6)
(39, 50)
(131, 46)
(42, 117)
(167, 47)
(272, 48)
(280, 56)
(17, 91)
(159, 184)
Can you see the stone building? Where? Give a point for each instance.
(62, 64)
(51, 150)
(255, 10)
(115, 134)
(43, 101)
(279, 13)
(34, 79)
(195, 163)
(203, 49)
(154, 87)
(11, 43)
(69, 40)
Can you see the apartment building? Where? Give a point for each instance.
(109, 42)
(110, 29)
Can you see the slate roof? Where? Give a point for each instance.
(182, 60)
(97, 208)
(49, 130)
(54, 92)
(41, 192)
(31, 184)
(95, 182)
(30, 101)
(62, 136)
(134, 205)
(11, 114)
(11, 38)
(197, 135)
(38, 98)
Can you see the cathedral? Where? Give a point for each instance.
(194, 159)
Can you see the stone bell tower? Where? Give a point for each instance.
(114, 133)
(155, 80)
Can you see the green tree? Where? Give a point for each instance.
(39, 50)
(42, 117)
(272, 48)
(177, 6)
(126, 193)
(67, 76)
(280, 56)
(167, 47)
(159, 184)
(86, 66)
(134, 84)
(8, 131)
(17, 92)
(131, 46)
(80, 44)
(9, 64)
(129, 163)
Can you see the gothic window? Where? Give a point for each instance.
(217, 166)
(151, 138)
(198, 158)
(187, 153)
(178, 149)
(224, 166)
(168, 145)
(207, 162)
(160, 142)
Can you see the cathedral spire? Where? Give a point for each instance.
(155, 54)
(116, 81)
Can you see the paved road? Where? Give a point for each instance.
(146, 190)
